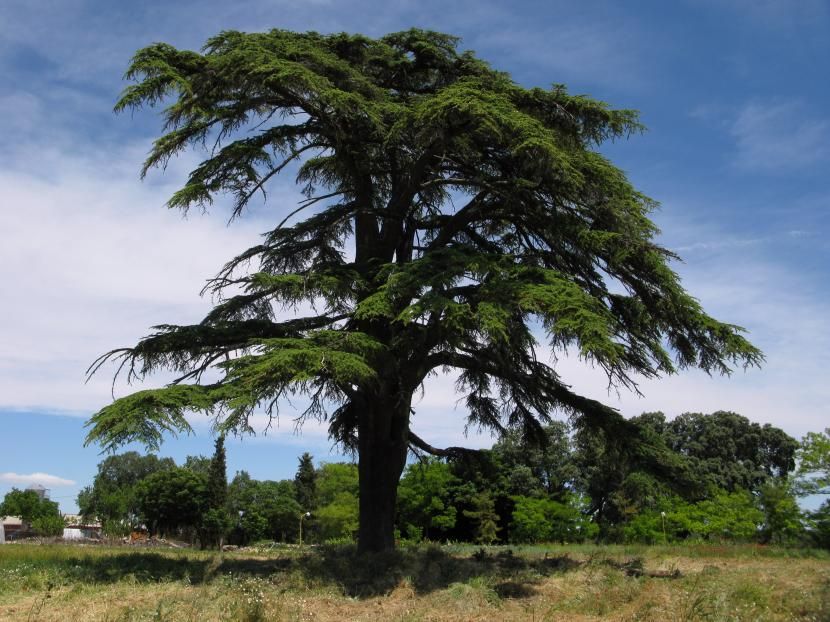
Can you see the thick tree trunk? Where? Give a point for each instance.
(382, 445)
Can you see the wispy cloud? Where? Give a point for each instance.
(598, 50)
(93, 261)
(759, 283)
(738, 280)
(789, 391)
(90, 261)
(44, 479)
(779, 136)
(89, 258)
(717, 244)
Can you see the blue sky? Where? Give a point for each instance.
(734, 92)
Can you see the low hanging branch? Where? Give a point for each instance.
(452, 453)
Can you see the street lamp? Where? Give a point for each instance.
(663, 519)
(302, 516)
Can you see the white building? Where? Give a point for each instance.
(9, 526)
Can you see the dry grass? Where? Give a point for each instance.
(449, 583)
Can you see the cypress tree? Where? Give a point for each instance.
(217, 484)
(305, 483)
(216, 521)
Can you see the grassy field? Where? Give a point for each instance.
(78, 583)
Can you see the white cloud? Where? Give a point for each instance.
(784, 309)
(716, 244)
(44, 479)
(740, 281)
(89, 261)
(779, 137)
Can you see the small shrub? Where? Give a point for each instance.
(48, 526)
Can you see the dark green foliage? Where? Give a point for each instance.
(254, 526)
(112, 496)
(269, 510)
(216, 520)
(172, 501)
(484, 517)
(238, 490)
(625, 485)
(695, 457)
(622, 475)
(729, 452)
(278, 504)
(29, 506)
(536, 466)
(448, 210)
(517, 465)
(217, 479)
(305, 482)
(215, 523)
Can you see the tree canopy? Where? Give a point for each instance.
(730, 451)
(172, 500)
(578, 487)
(451, 216)
(814, 463)
(305, 481)
(28, 505)
(112, 496)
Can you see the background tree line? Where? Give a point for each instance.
(707, 477)
(40, 515)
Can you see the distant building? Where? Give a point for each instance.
(77, 529)
(42, 492)
(11, 527)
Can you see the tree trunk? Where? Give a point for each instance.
(382, 445)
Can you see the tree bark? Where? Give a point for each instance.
(383, 427)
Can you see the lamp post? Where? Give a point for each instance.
(663, 519)
(302, 516)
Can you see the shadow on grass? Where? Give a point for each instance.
(430, 569)
(424, 569)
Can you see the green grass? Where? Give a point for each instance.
(455, 582)
(693, 550)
